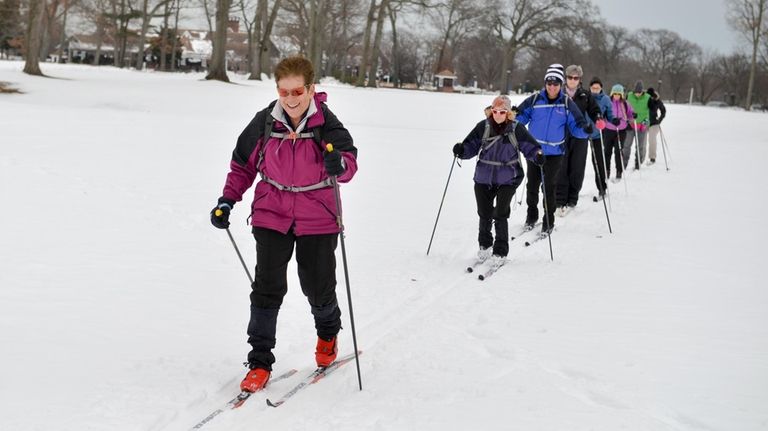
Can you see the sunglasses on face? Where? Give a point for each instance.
(573, 78)
(499, 111)
(553, 83)
(295, 92)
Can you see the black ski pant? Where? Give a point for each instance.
(317, 275)
(598, 165)
(612, 145)
(497, 215)
(551, 168)
(571, 176)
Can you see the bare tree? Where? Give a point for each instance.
(147, 13)
(371, 17)
(34, 37)
(375, 51)
(454, 19)
(709, 76)
(217, 69)
(746, 17)
(518, 23)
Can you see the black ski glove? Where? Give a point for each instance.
(588, 130)
(634, 115)
(333, 163)
(458, 150)
(220, 213)
(616, 121)
(539, 159)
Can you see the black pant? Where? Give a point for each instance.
(484, 195)
(598, 165)
(317, 275)
(571, 176)
(551, 168)
(612, 144)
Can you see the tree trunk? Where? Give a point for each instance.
(143, 35)
(254, 36)
(34, 38)
(757, 30)
(265, 66)
(395, 74)
(164, 38)
(218, 67)
(175, 44)
(63, 38)
(366, 45)
(377, 44)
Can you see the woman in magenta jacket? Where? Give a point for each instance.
(615, 134)
(293, 206)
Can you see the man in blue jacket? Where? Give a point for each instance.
(548, 113)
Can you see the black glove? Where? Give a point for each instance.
(634, 115)
(539, 159)
(616, 121)
(588, 130)
(333, 165)
(220, 214)
(458, 150)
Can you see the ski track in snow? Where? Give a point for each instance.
(128, 310)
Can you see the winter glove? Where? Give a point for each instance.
(539, 159)
(458, 150)
(616, 121)
(334, 163)
(646, 122)
(634, 115)
(220, 213)
(600, 124)
(588, 130)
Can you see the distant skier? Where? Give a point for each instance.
(639, 101)
(655, 105)
(606, 113)
(615, 134)
(293, 206)
(549, 116)
(497, 141)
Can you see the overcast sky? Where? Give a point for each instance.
(700, 21)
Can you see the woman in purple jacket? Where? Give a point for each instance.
(497, 141)
(293, 206)
(614, 134)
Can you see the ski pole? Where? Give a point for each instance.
(441, 204)
(637, 147)
(546, 214)
(663, 145)
(602, 188)
(340, 222)
(237, 250)
(620, 148)
(605, 171)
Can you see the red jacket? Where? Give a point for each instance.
(290, 162)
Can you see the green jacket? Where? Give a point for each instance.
(640, 106)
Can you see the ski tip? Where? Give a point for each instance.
(271, 404)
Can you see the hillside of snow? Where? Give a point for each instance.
(122, 308)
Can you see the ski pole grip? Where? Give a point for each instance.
(329, 147)
(218, 212)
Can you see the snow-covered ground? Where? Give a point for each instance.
(121, 308)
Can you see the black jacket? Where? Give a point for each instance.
(587, 103)
(654, 106)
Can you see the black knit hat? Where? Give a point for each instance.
(595, 80)
(651, 91)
